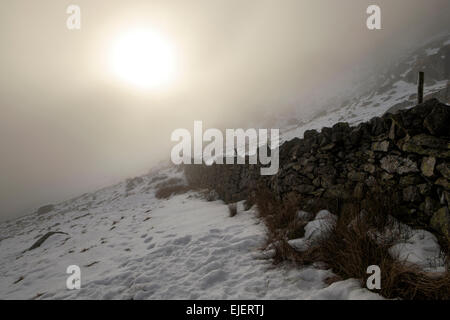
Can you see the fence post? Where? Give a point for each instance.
(420, 87)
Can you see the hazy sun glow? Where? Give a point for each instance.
(144, 58)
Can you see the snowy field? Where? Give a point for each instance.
(130, 245)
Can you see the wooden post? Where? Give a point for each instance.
(420, 87)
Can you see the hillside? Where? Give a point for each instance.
(392, 88)
(131, 245)
(137, 241)
(170, 235)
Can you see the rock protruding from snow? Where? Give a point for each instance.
(42, 239)
(316, 229)
(321, 226)
(46, 209)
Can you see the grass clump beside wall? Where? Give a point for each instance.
(352, 244)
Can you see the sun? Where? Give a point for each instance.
(144, 58)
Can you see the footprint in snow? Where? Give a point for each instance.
(182, 241)
(148, 239)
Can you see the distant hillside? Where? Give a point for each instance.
(392, 89)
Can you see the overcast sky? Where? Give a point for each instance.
(69, 125)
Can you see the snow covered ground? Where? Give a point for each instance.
(130, 245)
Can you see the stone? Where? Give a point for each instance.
(441, 222)
(427, 166)
(386, 176)
(369, 154)
(317, 193)
(443, 182)
(390, 164)
(396, 164)
(303, 161)
(309, 134)
(356, 176)
(326, 170)
(316, 182)
(46, 209)
(424, 188)
(410, 147)
(337, 192)
(378, 126)
(407, 166)
(371, 181)
(444, 169)
(437, 122)
(328, 147)
(380, 146)
(424, 144)
(327, 181)
(358, 192)
(409, 180)
(370, 168)
(304, 188)
(309, 168)
(310, 176)
(42, 239)
(429, 206)
(428, 141)
(446, 195)
(411, 194)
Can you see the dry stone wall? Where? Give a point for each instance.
(406, 154)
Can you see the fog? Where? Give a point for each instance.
(68, 125)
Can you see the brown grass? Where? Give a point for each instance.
(351, 246)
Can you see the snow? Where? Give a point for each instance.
(432, 51)
(422, 249)
(349, 289)
(320, 226)
(406, 72)
(130, 245)
(414, 246)
(300, 244)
